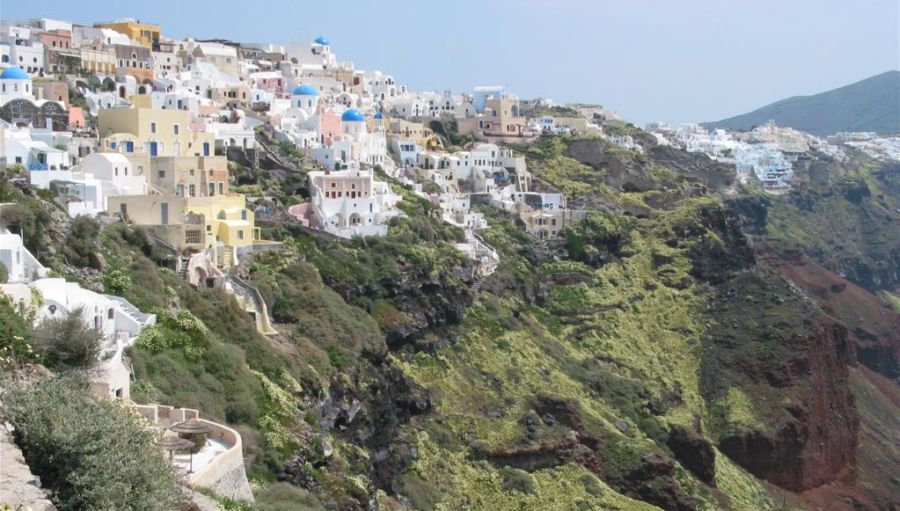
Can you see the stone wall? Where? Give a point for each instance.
(19, 488)
(225, 475)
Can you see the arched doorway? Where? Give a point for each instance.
(200, 276)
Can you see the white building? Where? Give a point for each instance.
(351, 203)
(89, 186)
(15, 83)
(354, 144)
(18, 146)
(29, 55)
(118, 321)
(20, 265)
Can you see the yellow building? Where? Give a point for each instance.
(221, 224)
(152, 131)
(146, 34)
(416, 131)
(577, 124)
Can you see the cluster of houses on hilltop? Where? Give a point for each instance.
(767, 153)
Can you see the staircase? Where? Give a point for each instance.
(476, 287)
(253, 303)
(183, 267)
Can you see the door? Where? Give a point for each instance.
(205, 148)
(152, 148)
(129, 146)
(164, 213)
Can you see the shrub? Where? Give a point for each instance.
(14, 336)
(91, 454)
(285, 497)
(517, 479)
(117, 281)
(81, 242)
(67, 343)
(26, 217)
(591, 484)
(182, 330)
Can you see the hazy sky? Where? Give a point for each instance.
(649, 59)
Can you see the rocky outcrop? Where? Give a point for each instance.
(694, 452)
(19, 488)
(369, 409)
(650, 477)
(633, 172)
(714, 259)
(818, 439)
(873, 325)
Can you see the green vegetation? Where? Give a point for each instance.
(66, 343)
(81, 243)
(15, 337)
(90, 453)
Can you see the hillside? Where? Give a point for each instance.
(675, 350)
(872, 104)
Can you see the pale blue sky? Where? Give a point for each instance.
(649, 59)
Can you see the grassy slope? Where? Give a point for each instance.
(623, 342)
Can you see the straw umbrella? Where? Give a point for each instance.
(174, 443)
(191, 427)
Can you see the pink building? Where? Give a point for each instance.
(76, 117)
(329, 126)
(304, 214)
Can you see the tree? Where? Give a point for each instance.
(67, 343)
(91, 453)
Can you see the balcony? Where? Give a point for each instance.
(38, 166)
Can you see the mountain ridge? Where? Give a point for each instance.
(864, 105)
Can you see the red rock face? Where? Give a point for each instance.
(819, 440)
(874, 327)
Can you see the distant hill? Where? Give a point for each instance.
(872, 104)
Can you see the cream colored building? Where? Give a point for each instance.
(193, 224)
(155, 132)
(98, 59)
(187, 176)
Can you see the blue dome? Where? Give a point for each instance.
(321, 40)
(353, 115)
(14, 73)
(378, 116)
(305, 90)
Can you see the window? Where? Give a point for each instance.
(175, 129)
(191, 172)
(110, 313)
(212, 189)
(162, 173)
(240, 235)
(192, 236)
(243, 214)
(152, 127)
(192, 190)
(221, 188)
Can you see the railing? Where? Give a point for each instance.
(38, 166)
